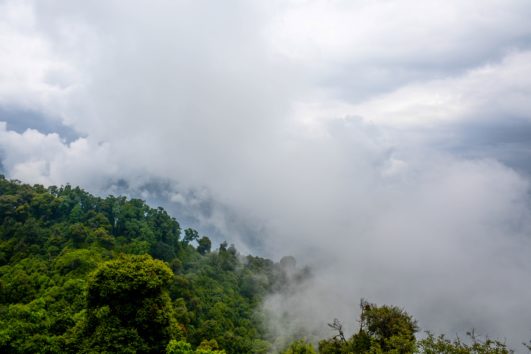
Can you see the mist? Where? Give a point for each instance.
(362, 138)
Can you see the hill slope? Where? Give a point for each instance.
(51, 239)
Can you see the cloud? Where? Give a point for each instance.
(362, 137)
(32, 74)
(46, 159)
(372, 47)
(492, 91)
(448, 242)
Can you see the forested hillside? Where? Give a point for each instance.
(52, 239)
(83, 274)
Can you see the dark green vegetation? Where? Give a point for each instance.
(82, 274)
(389, 329)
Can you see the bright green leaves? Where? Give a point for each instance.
(126, 276)
(179, 347)
(77, 263)
(390, 327)
(182, 347)
(383, 329)
(128, 307)
(300, 347)
(52, 238)
(443, 345)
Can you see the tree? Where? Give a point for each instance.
(300, 346)
(190, 235)
(204, 245)
(51, 239)
(383, 329)
(179, 347)
(182, 347)
(128, 307)
(443, 345)
(389, 326)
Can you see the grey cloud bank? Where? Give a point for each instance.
(382, 143)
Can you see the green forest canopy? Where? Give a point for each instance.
(83, 274)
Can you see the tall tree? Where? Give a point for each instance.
(203, 245)
(383, 329)
(128, 307)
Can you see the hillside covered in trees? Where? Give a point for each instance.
(53, 239)
(83, 274)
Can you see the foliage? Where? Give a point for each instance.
(182, 347)
(443, 345)
(300, 346)
(203, 245)
(69, 280)
(383, 329)
(179, 347)
(389, 329)
(129, 294)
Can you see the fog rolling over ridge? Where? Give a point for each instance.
(384, 144)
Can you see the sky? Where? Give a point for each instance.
(386, 144)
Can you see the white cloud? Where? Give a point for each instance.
(450, 245)
(373, 46)
(46, 159)
(494, 91)
(32, 75)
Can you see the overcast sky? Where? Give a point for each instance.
(385, 143)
